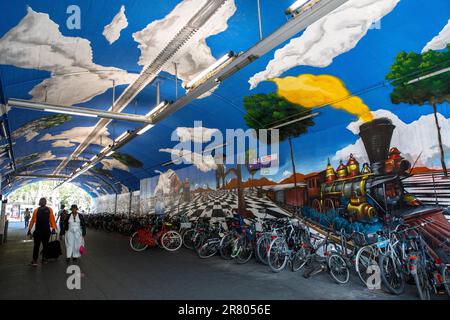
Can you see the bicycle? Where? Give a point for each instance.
(289, 248)
(158, 234)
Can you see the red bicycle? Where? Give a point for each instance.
(158, 234)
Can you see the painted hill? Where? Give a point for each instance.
(251, 183)
(417, 170)
(201, 190)
(300, 177)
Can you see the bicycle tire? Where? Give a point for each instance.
(277, 246)
(420, 280)
(299, 260)
(187, 239)
(364, 258)
(174, 236)
(385, 263)
(209, 249)
(225, 247)
(262, 248)
(137, 249)
(445, 273)
(246, 252)
(338, 268)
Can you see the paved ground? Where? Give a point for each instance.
(113, 271)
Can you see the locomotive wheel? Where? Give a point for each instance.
(328, 205)
(316, 205)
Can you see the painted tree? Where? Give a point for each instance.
(431, 91)
(249, 160)
(264, 111)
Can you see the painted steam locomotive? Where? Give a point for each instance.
(367, 193)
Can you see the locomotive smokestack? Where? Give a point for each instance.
(377, 136)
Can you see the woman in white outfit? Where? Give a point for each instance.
(74, 230)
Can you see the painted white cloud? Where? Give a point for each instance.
(76, 135)
(194, 56)
(196, 134)
(204, 163)
(112, 31)
(3, 110)
(410, 138)
(168, 183)
(37, 43)
(286, 173)
(110, 164)
(440, 41)
(337, 33)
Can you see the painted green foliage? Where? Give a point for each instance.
(408, 66)
(42, 124)
(432, 90)
(127, 159)
(264, 111)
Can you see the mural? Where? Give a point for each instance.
(375, 134)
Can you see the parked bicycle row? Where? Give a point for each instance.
(389, 258)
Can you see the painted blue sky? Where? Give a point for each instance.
(362, 67)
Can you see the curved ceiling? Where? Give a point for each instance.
(49, 53)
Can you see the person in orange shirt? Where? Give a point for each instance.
(45, 224)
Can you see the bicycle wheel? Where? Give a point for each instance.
(445, 273)
(226, 246)
(246, 252)
(420, 278)
(136, 243)
(277, 255)
(299, 260)
(209, 249)
(391, 274)
(262, 248)
(187, 238)
(171, 241)
(364, 258)
(198, 240)
(338, 268)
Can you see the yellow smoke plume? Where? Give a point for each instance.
(312, 91)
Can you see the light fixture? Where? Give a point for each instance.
(93, 158)
(5, 133)
(157, 108)
(105, 149)
(145, 129)
(296, 6)
(110, 153)
(73, 113)
(208, 70)
(123, 135)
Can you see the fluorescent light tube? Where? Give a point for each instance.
(210, 69)
(105, 149)
(296, 5)
(110, 153)
(4, 130)
(71, 113)
(157, 108)
(145, 129)
(123, 135)
(93, 158)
